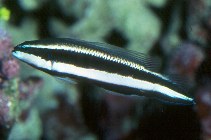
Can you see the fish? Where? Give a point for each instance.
(110, 67)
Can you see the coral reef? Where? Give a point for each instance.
(198, 25)
(65, 121)
(10, 84)
(34, 105)
(94, 14)
(203, 96)
(9, 69)
(4, 106)
(185, 60)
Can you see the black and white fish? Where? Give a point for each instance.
(104, 65)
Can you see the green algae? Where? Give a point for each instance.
(4, 14)
(12, 91)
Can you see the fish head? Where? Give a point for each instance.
(32, 53)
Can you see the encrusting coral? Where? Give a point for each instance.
(9, 69)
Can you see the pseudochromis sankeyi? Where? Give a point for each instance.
(104, 65)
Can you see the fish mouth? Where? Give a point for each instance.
(14, 53)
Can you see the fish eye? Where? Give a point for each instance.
(23, 46)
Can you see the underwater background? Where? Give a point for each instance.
(36, 106)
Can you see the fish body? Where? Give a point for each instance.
(102, 64)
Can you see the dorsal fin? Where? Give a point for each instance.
(137, 57)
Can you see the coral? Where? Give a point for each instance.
(16, 95)
(65, 121)
(4, 109)
(120, 117)
(10, 68)
(203, 96)
(29, 86)
(32, 125)
(5, 44)
(141, 32)
(185, 61)
(92, 26)
(32, 4)
(171, 38)
(198, 21)
(9, 87)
